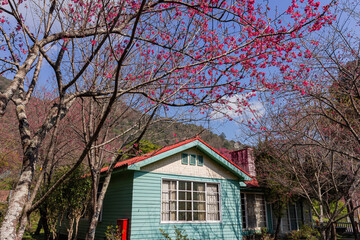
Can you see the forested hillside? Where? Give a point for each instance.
(163, 132)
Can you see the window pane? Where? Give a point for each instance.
(173, 185)
(172, 216)
(199, 205)
(182, 195)
(192, 159)
(212, 188)
(260, 210)
(172, 205)
(165, 217)
(199, 187)
(200, 160)
(188, 196)
(166, 206)
(172, 195)
(293, 219)
(184, 185)
(181, 216)
(199, 216)
(189, 216)
(199, 196)
(243, 211)
(184, 158)
(181, 205)
(213, 202)
(250, 209)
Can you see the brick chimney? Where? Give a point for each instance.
(244, 158)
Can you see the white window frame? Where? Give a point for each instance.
(246, 212)
(192, 201)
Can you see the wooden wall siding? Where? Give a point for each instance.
(145, 219)
(117, 204)
(173, 165)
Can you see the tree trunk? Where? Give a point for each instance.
(277, 230)
(350, 209)
(95, 217)
(321, 214)
(71, 228)
(98, 206)
(39, 227)
(333, 231)
(17, 203)
(77, 219)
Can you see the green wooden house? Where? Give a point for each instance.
(189, 185)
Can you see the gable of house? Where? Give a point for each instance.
(167, 159)
(191, 162)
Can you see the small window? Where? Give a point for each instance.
(200, 160)
(253, 209)
(184, 159)
(192, 159)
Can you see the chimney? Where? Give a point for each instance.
(244, 158)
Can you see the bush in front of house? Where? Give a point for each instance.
(113, 233)
(305, 232)
(179, 234)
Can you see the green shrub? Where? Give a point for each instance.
(262, 235)
(305, 232)
(113, 233)
(179, 234)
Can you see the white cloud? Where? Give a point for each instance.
(241, 107)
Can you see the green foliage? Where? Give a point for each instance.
(305, 232)
(113, 233)
(8, 182)
(31, 236)
(333, 208)
(69, 199)
(268, 173)
(144, 147)
(3, 207)
(262, 235)
(179, 234)
(147, 146)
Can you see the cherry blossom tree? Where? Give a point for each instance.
(316, 128)
(166, 53)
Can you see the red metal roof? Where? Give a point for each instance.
(168, 148)
(252, 183)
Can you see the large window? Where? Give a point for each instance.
(189, 201)
(253, 211)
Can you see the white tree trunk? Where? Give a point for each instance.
(16, 205)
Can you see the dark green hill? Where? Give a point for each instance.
(169, 132)
(164, 132)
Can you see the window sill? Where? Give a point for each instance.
(253, 229)
(190, 222)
